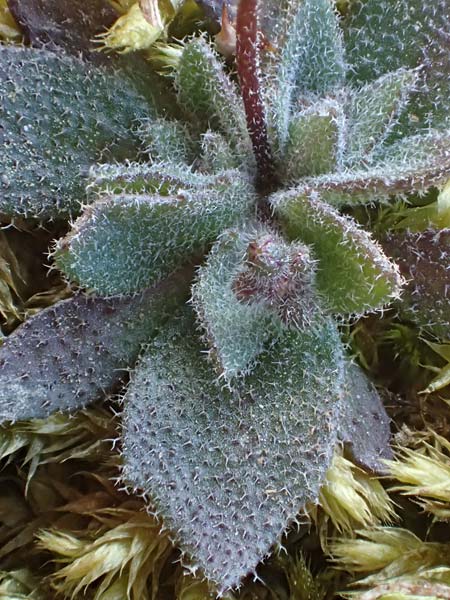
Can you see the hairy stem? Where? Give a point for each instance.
(247, 59)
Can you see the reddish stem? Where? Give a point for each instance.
(247, 59)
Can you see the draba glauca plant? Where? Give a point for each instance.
(237, 399)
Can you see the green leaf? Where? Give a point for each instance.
(311, 61)
(413, 164)
(384, 36)
(228, 471)
(167, 141)
(314, 141)
(320, 51)
(162, 178)
(252, 286)
(74, 352)
(373, 110)
(204, 90)
(59, 115)
(216, 153)
(353, 272)
(125, 243)
(427, 154)
(236, 331)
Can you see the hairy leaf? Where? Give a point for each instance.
(413, 164)
(281, 276)
(204, 90)
(217, 154)
(431, 106)
(167, 141)
(162, 178)
(364, 426)
(373, 110)
(311, 61)
(229, 471)
(424, 260)
(236, 331)
(72, 25)
(252, 285)
(48, 141)
(383, 36)
(353, 272)
(125, 243)
(320, 52)
(314, 141)
(72, 353)
(427, 154)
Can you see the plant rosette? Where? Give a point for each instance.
(238, 398)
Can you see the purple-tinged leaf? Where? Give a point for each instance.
(424, 261)
(72, 353)
(70, 24)
(228, 471)
(364, 427)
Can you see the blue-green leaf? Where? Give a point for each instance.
(125, 243)
(59, 115)
(353, 272)
(71, 354)
(228, 471)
